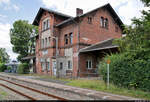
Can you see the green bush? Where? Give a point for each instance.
(23, 68)
(8, 68)
(131, 70)
(3, 67)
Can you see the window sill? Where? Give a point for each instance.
(89, 68)
(69, 69)
(45, 30)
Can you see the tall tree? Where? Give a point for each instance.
(138, 34)
(20, 36)
(4, 57)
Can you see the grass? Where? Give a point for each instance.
(98, 85)
(3, 94)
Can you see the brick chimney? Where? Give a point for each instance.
(79, 11)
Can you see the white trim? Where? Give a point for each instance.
(88, 64)
(70, 65)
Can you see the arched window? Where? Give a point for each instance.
(106, 23)
(102, 21)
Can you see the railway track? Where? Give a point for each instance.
(31, 89)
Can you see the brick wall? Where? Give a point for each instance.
(89, 34)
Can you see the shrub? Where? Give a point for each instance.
(8, 68)
(128, 70)
(2, 67)
(23, 68)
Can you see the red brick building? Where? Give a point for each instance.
(81, 41)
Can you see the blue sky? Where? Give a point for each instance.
(12, 10)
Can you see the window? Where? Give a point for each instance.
(66, 39)
(116, 29)
(46, 42)
(69, 65)
(89, 20)
(46, 24)
(42, 43)
(43, 66)
(106, 23)
(61, 65)
(89, 64)
(102, 21)
(48, 66)
(49, 40)
(71, 38)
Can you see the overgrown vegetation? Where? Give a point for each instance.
(131, 68)
(101, 86)
(23, 68)
(3, 67)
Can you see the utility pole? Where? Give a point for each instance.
(108, 62)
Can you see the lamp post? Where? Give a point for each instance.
(57, 69)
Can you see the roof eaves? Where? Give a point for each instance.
(66, 21)
(56, 12)
(109, 47)
(35, 22)
(97, 43)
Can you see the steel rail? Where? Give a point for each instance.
(38, 91)
(18, 92)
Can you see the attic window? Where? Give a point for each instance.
(106, 23)
(102, 21)
(89, 20)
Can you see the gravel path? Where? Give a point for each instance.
(11, 95)
(39, 78)
(33, 94)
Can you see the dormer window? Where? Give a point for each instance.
(46, 24)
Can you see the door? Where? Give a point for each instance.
(54, 68)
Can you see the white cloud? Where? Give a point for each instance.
(5, 39)
(132, 9)
(12, 7)
(16, 7)
(127, 9)
(4, 1)
(8, 5)
(3, 16)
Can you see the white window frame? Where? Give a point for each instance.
(45, 24)
(48, 66)
(89, 64)
(70, 65)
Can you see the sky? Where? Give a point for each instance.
(12, 10)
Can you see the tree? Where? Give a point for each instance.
(20, 36)
(4, 57)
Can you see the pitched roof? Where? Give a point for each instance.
(107, 6)
(37, 18)
(106, 44)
